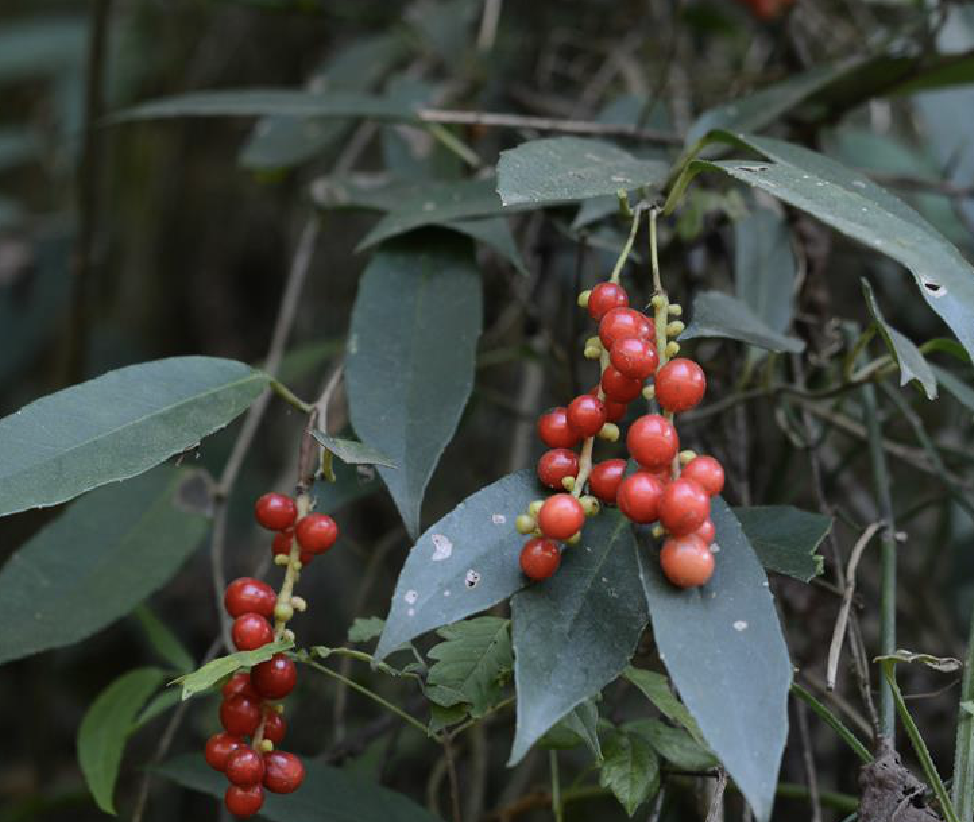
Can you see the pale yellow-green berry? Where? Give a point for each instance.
(609, 432)
(675, 309)
(266, 745)
(568, 483)
(658, 530)
(583, 299)
(590, 505)
(672, 349)
(590, 352)
(686, 456)
(574, 539)
(299, 604)
(288, 635)
(535, 507)
(281, 559)
(277, 706)
(283, 611)
(675, 328)
(297, 565)
(658, 301)
(649, 392)
(525, 523)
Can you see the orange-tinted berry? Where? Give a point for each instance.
(555, 465)
(561, 517)
(604, 297)
(605, 478)
(540, 558)
(686, 561)
(634, 358)
(652, 441)
(706, 471)
(680, 385)
(684, 508)
(586, 415)
(639, 497)
(554, 430)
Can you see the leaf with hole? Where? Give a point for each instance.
(716, 314)
(204, 678)
(786, 538)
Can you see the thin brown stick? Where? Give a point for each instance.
(808, 759)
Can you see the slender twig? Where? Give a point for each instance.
(716, 811)
(556, 805)
(808, 759)
(963, 788)
(834, 722)
(488, 24)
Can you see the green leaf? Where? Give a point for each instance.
(674, 745)
(406, 388)
(908, 357)
(786, 538)
(216, 669)
(575, 633)
(471, 664)
(465, 563)
(117, 426)
(728, 629)
(558, 170)
(352, 452)
(98, 560)
(656, 688)
(716, 314)
(366, 629)
(583, 721)
(630, 769)
(443, 716)
(352, 483)
(327, 795)
(159, 704)
(106, 727)
(961, 391)
(42, 47)
(164, 642)
(862, 210)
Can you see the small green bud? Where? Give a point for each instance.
(658, 531)
(609, 432)
(672, 349)
(283, 611)
(288, 635)
(590, 352)
(574, 539)
(266, 745)
(686, 456)
(675, 309)
(590, 505)
(657, 301)
(299, 604)
(525, 523)
(281, 559)
(649, 392)
(675, 328)
(568, 483)
(535, 507)
(583, 299)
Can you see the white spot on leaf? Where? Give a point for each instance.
(411, 596)
(740, 625)
(442, 547)
(446, 593)
(411, 612)
(498, 519)
(472, 579)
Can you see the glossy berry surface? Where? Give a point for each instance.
(634, 358)
(618, 387)
(605, 478)
(239, 683)
(561, 517)
(652, 441)
(283, 772)
(639, 497)
(680, 385)
(586, 416)
(316, 533)
(247, 595)
(555, 465)
(218, 749)
(707, 532)
(706, 471)
(554, 430)
(540, 558)
(623, 323)
(275, 727)
(276, 511)
(614, 411)
(604, 297)
(250, 632)
(282, 542)
(240, 715)
(684, 507)
(245, 767)
(686, 561)
(244, 802)
(275, 678)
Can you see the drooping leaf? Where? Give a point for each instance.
(786, 538)
(366, 629)
(956, 387)
(106, 727)
(327, 795)
(97, 561)
(674, 745)
(406, 388)
(716, 314)
(908, 357)
(583, 721)
(575, 633)
(862, 210)
(566, 169)
(656, 688)
(216, 669)
(471, 663)
(157, 706)
(116, 426)
(729, 629)
(630, 769)
(353, 452)
(465, 563)
(163, 641)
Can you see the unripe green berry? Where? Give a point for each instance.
(590, 505)
(675, 328)
(591, 352)
(649, 392)
(288, 635)
(658, 530)
(574, 539)
(583, 299)
(675, 309)
(535, 507)
(281, 559)
(266, 745)
(299, 604)
(283, 611)
(672, 349)
(686, 456)
(568, 483)
(658, 301)
(525, 524)
(609, 432)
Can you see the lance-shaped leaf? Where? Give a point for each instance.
(116, 426)
(675, 745)
(352, 451)
(566, 169)
(470, 664)
(463, 564)
(962, 391)
(216, 669)
(729, 630)
(716, 314)
(98, 560)
(908, 357)
(786, 538)
(575, 633)
(411, 357)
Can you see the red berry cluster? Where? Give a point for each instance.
(250, 708)
(670, 488)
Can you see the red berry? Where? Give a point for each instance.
(680, 385)
(684, 507)
(239, 683)
(555, 465)
(276, 511)
(622, 323)
(245, 767)
(686, 561)
(618, 387)
(274, 726)
(540, 558)
(652, 441)
(275, 678)
(639, 497)
(250, 632)
(604, 297)
(244, 802)
(554, 430)
(240, 715)
(316, 533)
(247, 595)
(707, 471)
(218, 749)
(561, 516)
(634, 358)
(306, 557)
(282, 542)
(707, 532)
(283, 772)
(614, 411)
(605, 478)
(586, 415)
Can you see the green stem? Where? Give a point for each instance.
(627, 248)
(841, 802)
(556, 805)
(963, 787)
(289, 396)
(454, 144)
(836, 724)
(474, 720)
